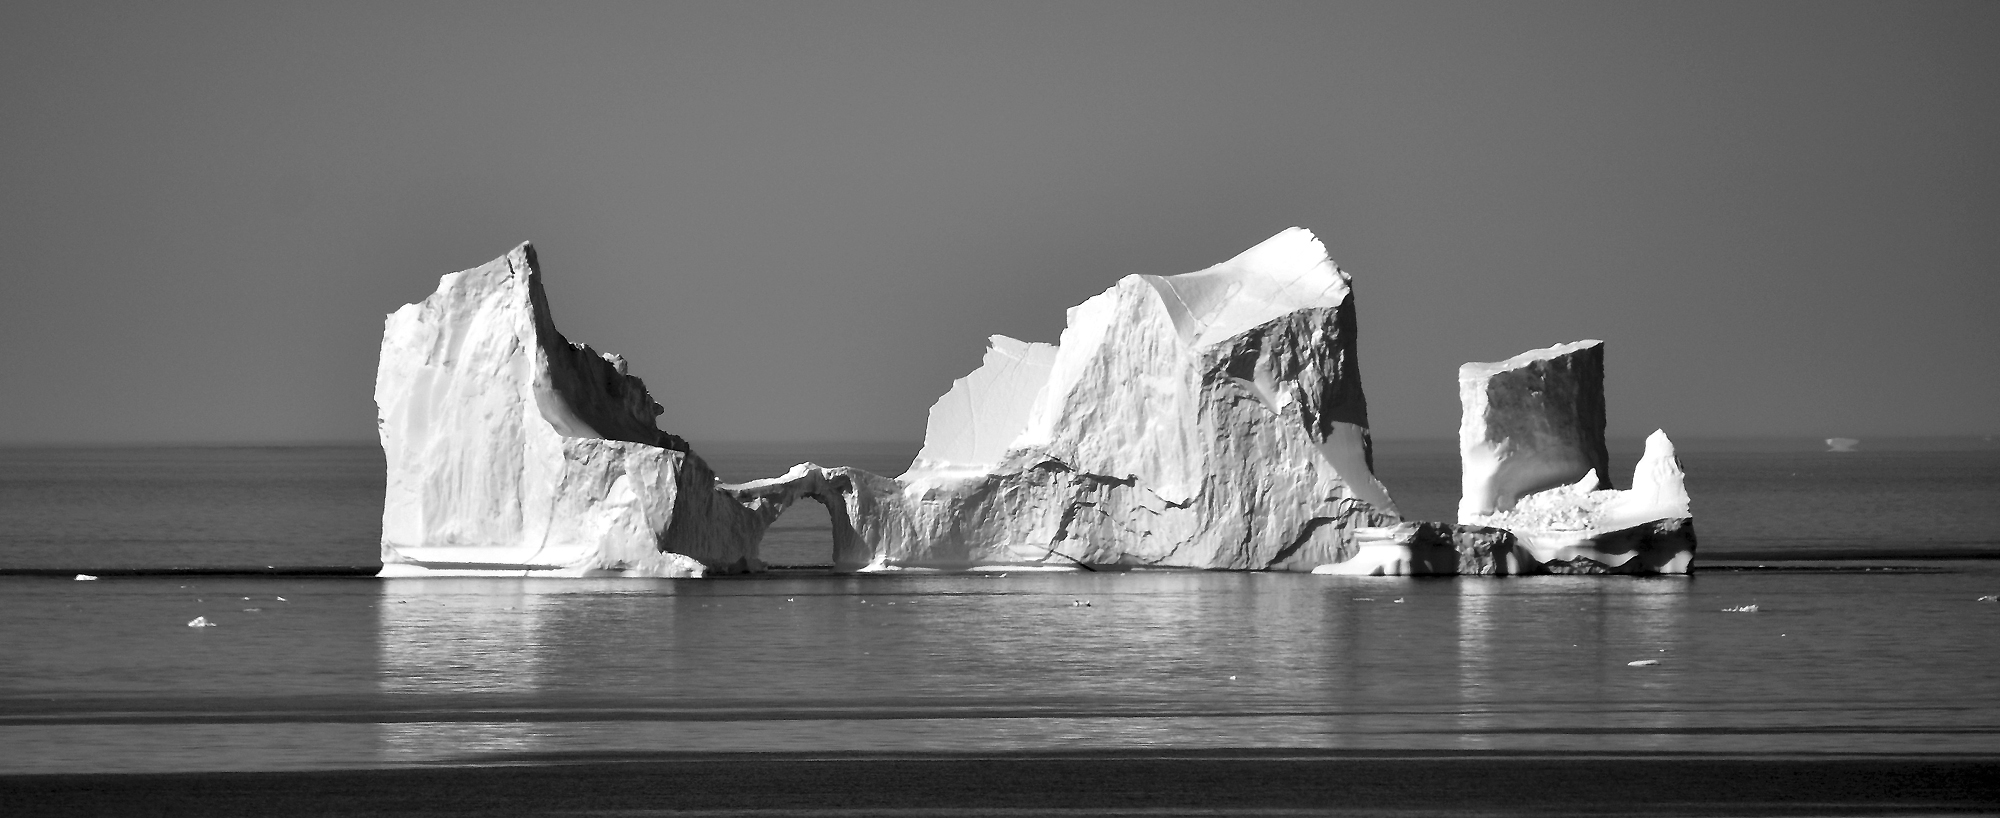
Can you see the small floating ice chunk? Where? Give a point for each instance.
(84, 577)
(1986, 598)
(1643, 663)
(201, 622)
(1740, 609)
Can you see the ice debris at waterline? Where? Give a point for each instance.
(1208, 420)
(512, 451)
(1575, 529)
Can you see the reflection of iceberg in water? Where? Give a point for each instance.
(1476, 607)
(443, 637)
(1654, 626)
(417, 741)
(1543, 664)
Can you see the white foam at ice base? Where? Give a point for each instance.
(1395, 551)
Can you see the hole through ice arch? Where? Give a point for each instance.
(802, 536)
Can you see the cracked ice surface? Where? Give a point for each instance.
(512, 451)
(1207, 420)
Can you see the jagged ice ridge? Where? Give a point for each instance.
(1208, 420)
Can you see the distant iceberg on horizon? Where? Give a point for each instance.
(1212, 420)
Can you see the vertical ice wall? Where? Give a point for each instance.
(1532, 422)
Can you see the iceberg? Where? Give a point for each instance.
(1534, 463)
(1213, 419)
(513, 452)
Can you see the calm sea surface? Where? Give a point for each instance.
(1890, 651)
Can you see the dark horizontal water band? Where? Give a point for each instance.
(1121, 782)
(594, 716)
(262, 571)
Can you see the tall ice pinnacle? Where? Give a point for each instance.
(512, 451)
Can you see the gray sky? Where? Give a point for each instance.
(801, 221)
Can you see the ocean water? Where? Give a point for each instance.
(1863, 640)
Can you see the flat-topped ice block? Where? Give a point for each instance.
(1532, 422)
